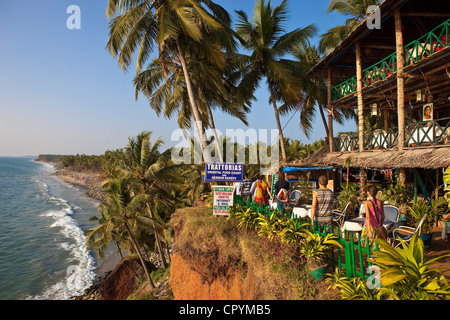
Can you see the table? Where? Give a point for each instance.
(302, 211)
(357, 224)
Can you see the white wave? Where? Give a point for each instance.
(80, 275)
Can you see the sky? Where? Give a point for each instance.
(61, 92)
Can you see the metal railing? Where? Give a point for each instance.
(432, 42)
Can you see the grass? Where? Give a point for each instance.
(216, 247)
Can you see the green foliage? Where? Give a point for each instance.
(421, 207)
(397, 194)
(349, 194)
(447, 188)
(315, 247)
(405, 275)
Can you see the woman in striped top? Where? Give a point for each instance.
(322, 203)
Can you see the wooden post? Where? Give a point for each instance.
(402, 177)
(400, 79)
(330, 108)
(359, 97)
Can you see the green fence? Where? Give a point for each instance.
(351, 258)
(430, 43)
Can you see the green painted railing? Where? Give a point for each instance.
(351, 258)
(428, 133)
(418, 134)
(432, 42)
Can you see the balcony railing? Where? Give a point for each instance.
(419, 134)
(432, 42)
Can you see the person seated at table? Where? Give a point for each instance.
(374, 218)
(282, 191)
(322, 203)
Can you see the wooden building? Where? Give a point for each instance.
(394, 71)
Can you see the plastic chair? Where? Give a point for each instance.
(295, 195)
(406, 233)
(339, 215)
(391, 213)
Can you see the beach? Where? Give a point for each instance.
(91, 183)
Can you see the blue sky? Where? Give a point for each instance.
(61, 92)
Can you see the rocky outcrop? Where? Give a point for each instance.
(122, 281)
(188, 283)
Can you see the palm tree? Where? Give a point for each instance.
(123, 206)
(153, 175)
(268, 44)
(355, 10)
(315, 91)
(173, 25)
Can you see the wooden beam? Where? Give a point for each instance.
(359, 95)
(330, 108)
(400, 79)
(426, 14)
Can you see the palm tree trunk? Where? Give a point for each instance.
(136, 247)
(323, 120)
(213, 128)
(158, 240)
(194, 107)
(280, 130)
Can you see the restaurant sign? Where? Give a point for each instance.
(223, 199)
(228, 172)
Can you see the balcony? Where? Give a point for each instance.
(417, 50)
(418, 134)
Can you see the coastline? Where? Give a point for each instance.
(91, 183)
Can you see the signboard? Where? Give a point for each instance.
(228, 172)
(223, 199)
(274, 181)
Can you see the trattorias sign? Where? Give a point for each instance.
(228, 172)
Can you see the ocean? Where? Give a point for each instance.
(42, 245)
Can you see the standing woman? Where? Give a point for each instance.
(374, 219)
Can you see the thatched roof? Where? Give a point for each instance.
(428, 158)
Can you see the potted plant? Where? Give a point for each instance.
(421, 207)
(315, 249)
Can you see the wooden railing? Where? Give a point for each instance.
(430, 43)
(418, 134)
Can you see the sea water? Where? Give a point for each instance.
(42, 245)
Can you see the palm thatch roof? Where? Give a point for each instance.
(427, 158)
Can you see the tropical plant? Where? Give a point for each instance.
(264, 37)
(405, 275)
(351, 288)
(433, 209)
(349, 194)
(123, 207)
(292, 231)
(447, 182)
(315, 248)
(355, 10)
(268, 226)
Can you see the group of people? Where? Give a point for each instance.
(322, 203)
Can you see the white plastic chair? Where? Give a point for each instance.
(405, 233)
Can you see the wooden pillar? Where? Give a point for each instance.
(359, 97)
(330, 108)
(400, 79)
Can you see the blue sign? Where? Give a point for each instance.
(229, 172)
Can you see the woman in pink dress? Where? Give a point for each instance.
(374, 218)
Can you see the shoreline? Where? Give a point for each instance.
(91, 183)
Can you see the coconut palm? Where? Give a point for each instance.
(123, 206)
(152, 173)
(265, 38)
(172, 25)
(355, 10)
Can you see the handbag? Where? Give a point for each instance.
(381, 230)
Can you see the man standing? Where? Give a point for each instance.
(282, 184)
(246, 187)
(322, 203)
